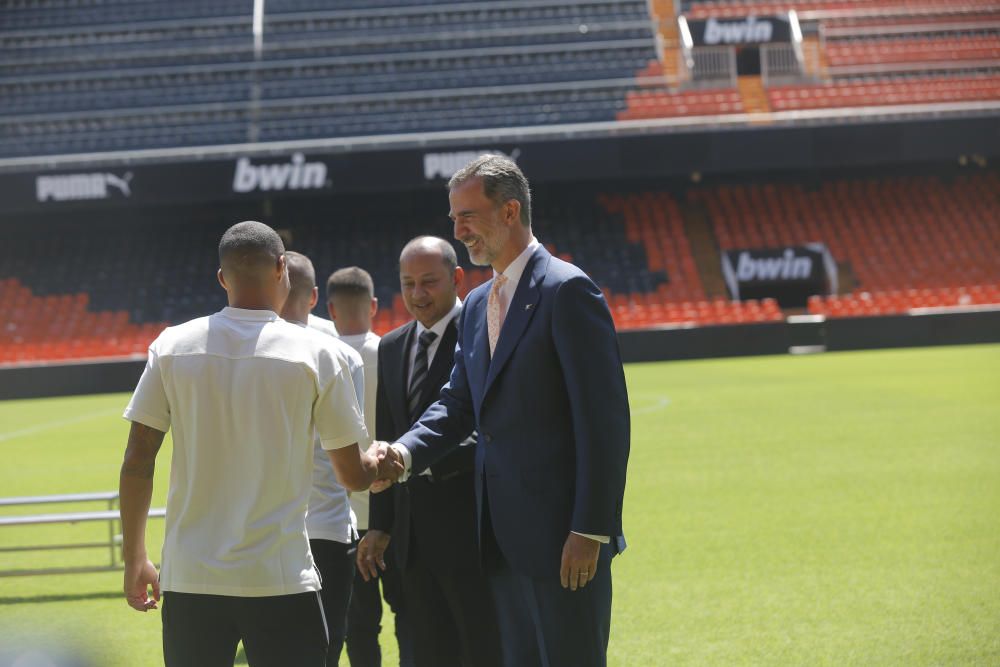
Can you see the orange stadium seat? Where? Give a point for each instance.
(31, 333)
(731, 8)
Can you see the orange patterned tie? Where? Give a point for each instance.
(493, 322)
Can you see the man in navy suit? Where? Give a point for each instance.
(538, 373)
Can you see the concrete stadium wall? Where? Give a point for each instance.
(858, 333)
(855, 333)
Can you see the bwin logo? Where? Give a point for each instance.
(773, 268)
(445, 165)
(748, 31)
(294, 175)
(78, 187)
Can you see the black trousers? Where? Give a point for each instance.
(278, 631)
(335, 562)
(447, 593)
(364, 617)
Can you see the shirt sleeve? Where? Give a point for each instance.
(149, 405)
(358, 380)
(336, 413)
(404, 453)
(603, 539)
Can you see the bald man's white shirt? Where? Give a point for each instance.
(322, 324)
(243, 391)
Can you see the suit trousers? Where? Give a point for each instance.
(447, 593)
(277, 631)
(364, 617)
(543, 624)
(335, 562)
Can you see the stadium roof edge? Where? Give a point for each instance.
(628, 128)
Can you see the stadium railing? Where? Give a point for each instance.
(111, 516)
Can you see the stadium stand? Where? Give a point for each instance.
(854, 53)
(734, 8)
(910, 90)
(901, 243)
(905, 243)
(81, 76)
(128, 74)
(125, 75)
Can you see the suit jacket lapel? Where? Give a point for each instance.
(402, 373)
(477, 360)
(519, 313)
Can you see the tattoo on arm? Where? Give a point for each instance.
(140, 453)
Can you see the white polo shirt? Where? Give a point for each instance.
(243, 391)
(323, 324)
(367, 346)
(330, 516)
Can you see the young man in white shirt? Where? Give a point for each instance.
(351, 303)
(330, 522)
(244, 391)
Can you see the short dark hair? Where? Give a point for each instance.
(250, 244)
(351, 281)
(502, 181)
(448, 255)
(301, 275)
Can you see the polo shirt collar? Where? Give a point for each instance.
(249, 315)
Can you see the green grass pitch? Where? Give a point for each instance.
(839, 509)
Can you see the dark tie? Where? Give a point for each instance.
(419, 375)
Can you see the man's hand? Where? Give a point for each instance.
(371, 552)
(138, 578)
(579, 561)
(390, 466)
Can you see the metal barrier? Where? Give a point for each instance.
(780, 64)
(713, 65)
(111, 515)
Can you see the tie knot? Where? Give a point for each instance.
(426, 338)
(499, 280)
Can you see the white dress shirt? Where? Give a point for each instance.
(513, 274)
(439, 328)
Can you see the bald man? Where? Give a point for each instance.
(244, 391)
(431, 519)
(330, 523)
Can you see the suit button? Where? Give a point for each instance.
(487, 437)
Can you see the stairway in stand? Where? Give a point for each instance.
(669, 40)
(754, 96)
(705, 249)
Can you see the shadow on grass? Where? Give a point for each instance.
(65, 597)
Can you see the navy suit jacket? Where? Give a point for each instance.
(551, 410)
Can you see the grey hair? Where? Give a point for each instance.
(502, 181)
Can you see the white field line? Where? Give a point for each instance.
(48, 426)
(656, 407)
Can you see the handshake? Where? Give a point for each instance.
(389, 465)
